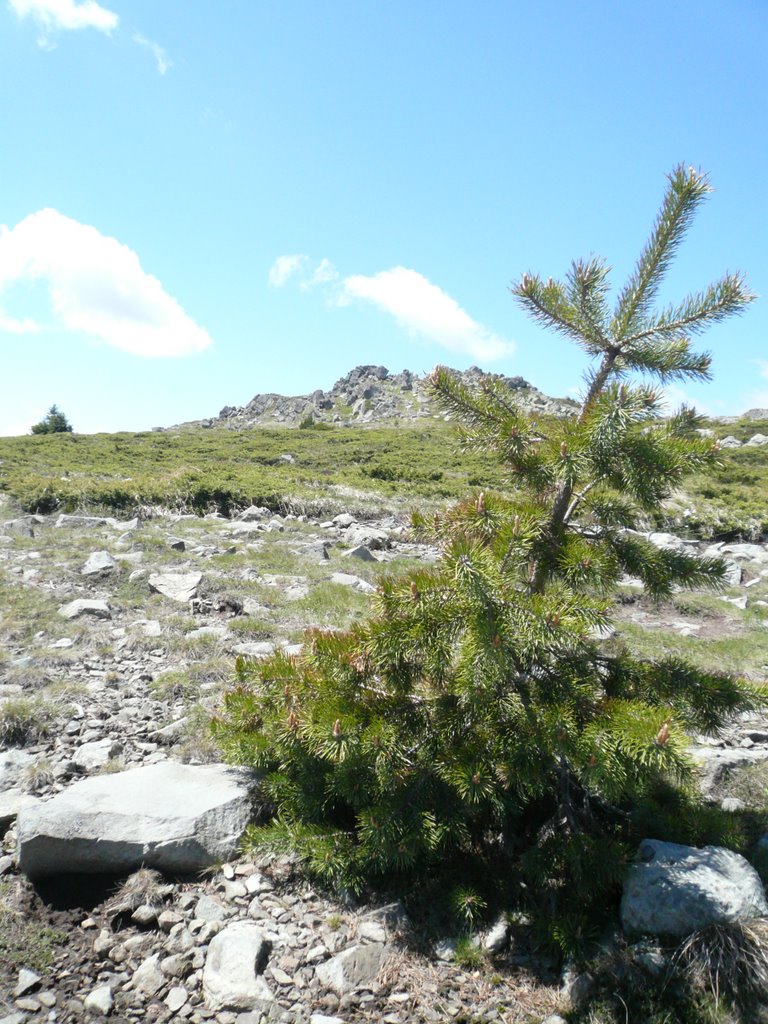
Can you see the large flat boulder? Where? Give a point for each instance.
(674, 890)
(174, 817)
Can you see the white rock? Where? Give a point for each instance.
(174, 817)
(27, 981)
(370, 536)
(13, 764)
(149, 627)
(148, 978)
(255, 649)
(496, 939)
(99, 1000)
(232, 973)
(12, 802)
(96, 754)
(355, 966)
(346, 579)
(674, 890)
(253, 513)
(79, 522)
(176, 998)
(98, 562)
(746, 552)
(757, 440)
(178, 586)
(96, 609)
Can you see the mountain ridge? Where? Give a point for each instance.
(370, 394)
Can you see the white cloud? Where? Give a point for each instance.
(324, 273)
(763, 364)
(163, 61)
(675, 396)
(285, 267)
(66, 14)
(425, 311)
(97, 287)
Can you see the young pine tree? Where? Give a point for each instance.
(474, 726)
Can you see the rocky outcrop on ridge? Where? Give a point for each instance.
(371, 394)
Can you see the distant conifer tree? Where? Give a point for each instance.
(55, 422)
(475, 726)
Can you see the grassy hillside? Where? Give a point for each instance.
(207, 469)
(367, 469)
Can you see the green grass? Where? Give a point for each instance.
(745, 654)
(24, 943)
(198, 471)
(362, 469)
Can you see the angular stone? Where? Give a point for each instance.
(79, 522)
(178, 586)
(176, 998)
(148, 978)
(209, 909)
(496, 939)
(96, 754)
(28, 981)
(100, 1000)
(362, 553)
(13, 764)
(370, 536)
(174, 817)
(255, 648)
(98, 562)
(96, 609)
(673, 889)
(352, 968)
(12, 801)
(232, 973)
(346, 579)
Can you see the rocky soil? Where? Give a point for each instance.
(116, 641)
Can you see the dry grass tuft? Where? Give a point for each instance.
(728, 960)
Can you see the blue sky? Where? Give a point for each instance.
(205, 201)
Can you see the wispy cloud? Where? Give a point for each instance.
(66, 15)
(674, 397)
(162, 60)
(324, 273)
(425, 311)
(417, 305)
(284, 268)
(97, 287)
(763, 364)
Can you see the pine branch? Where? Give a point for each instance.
(685, 193)
(548, 304)
(728, 297)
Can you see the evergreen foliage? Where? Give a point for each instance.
(55, 422)
(474, 727)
